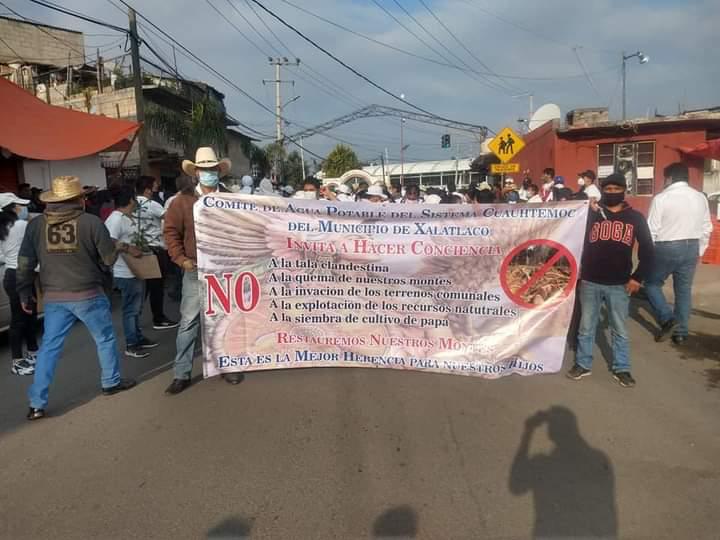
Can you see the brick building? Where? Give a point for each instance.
(639, 148)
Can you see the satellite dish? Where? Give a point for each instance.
(544, 114)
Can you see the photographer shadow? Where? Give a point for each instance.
(573, 486)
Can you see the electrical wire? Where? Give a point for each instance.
(460, 42)
(433, 61)
(585, 71)
(484, 80)
(78, 15)
(345, 65)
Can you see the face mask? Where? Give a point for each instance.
(612, 199)
(209, 178)
(312, 195)
(24, 213)
(581, 182)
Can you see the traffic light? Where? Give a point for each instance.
(445, 141)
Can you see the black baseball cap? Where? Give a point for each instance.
(615, 179)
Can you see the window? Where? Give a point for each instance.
(635, 160)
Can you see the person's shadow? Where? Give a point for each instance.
(573, 486)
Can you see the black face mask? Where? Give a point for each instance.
(612, 199)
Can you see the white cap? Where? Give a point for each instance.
(7, 199)
(433, 199)
(343, 188)
(375, 191)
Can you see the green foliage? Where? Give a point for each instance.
(294, 174)
(203, 125)
(339, 161)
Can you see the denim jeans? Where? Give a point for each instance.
(133, 297)
(59, 319)
(592, 296)
(189, 325)
(679, 259)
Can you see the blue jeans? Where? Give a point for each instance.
(679, 259)
(59, 319)
(189, 325)
(133, 297)
(592, 296)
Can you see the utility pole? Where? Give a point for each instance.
(643, 59)
(402, 147)
(139, 103)
(98, 72)
(302, 158)
(277, 62)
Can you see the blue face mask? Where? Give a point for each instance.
(24, 213)
(209, 178)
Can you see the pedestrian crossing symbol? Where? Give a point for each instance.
(506, 145)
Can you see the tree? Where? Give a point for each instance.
(339, 161)
(202, 125)
(294, 174)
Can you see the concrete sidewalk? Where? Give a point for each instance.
(363, 453)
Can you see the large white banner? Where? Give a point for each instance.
(483, 290)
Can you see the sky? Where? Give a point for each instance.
(561, 51)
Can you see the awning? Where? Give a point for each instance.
(33, 129)
(708, 149)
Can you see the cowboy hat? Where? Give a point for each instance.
(205, 158)
(375, 191)
(64, 188)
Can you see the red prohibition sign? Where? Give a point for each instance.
(561, 252)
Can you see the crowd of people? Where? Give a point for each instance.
(83, 244)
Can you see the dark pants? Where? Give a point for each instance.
(156, 287)
(22, 325)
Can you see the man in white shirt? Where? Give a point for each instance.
(123, 229)
(588, 184)
(149, 214)
(680, 226)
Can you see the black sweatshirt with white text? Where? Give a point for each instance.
(609, 240)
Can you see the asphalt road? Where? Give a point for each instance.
(363, 453)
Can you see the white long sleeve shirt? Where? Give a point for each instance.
(680, 212)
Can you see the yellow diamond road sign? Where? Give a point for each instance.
(506, 145)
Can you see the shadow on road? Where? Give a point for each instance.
(573, 486)
(702, 346)
(396, 523)
(647, 322)
(234, 528)
(706, 314)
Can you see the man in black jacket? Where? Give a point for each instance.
(607, 276)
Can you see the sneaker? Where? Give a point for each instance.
(165, 324)
(578, 372)
(31, 357)
(35, 414)
(146, 343)
(124, 384)
(625, 379)
(135, 351)
(22, 367)
(665, 331)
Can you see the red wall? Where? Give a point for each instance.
(570, 156)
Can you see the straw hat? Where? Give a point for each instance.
(375, 191)
(205, 158)
(64, 188)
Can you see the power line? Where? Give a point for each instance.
(346, 66)
(78, 15)
(431, 60)
(484, 80)
(585, 71)
(459, 42)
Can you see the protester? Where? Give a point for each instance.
(534, 194)
(607, 276)
(680, 225)
(587, 184)
(148, 215)
(484, 193)
(412, 195)
(158, 194)
(510, 193)
(247, 184)
(310, 189)
(266, 188)
(548, 182)
(13, 223)
(179, 230)
(36, 205)
(344, 193)
(375, 194)
(523, 192)
(122, 229)
(72, 248)
(327, 192)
